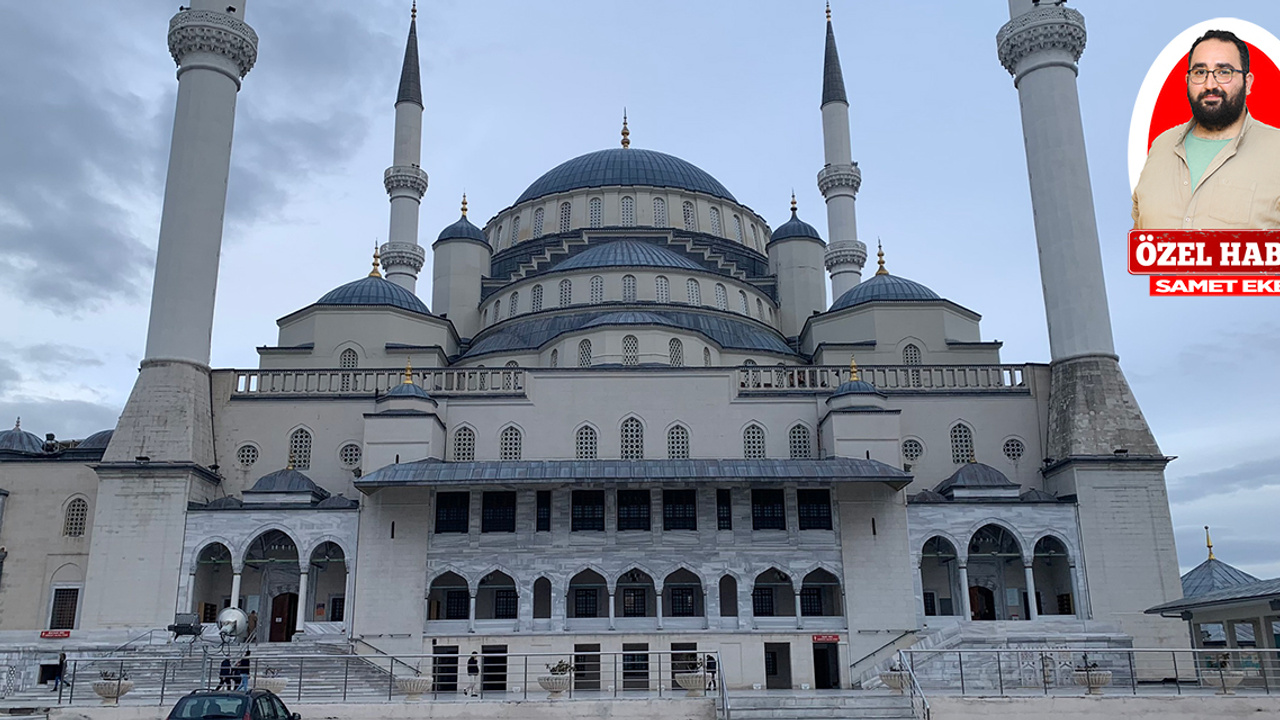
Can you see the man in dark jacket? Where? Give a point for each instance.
(473, 674)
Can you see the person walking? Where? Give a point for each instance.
(224, 675)
(251, 629)
(711, 672)
(473, 673)
(242, 671)
(62, 671)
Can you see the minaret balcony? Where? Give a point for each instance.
(218, 33)
(405, 181)
(839, 176)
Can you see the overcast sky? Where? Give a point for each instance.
(514, 88)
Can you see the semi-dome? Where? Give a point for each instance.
(884, 287)
(374, 290)
(407, 389)
(794, 228)
(287, 480)
(975, 475)
(625, 166)
(627, 253)
(19, 440)
(97, 441)
(855, 387)
(630, 318)
(462, 230)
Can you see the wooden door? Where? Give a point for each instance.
(284, 617)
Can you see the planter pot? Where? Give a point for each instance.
(1094, 680)
(111, 690)
(695, 683)
(555, 684)
(413, 686)
(1224, 680)
(274, 684)
(896, 680)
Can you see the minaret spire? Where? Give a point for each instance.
(840, 177)
(406, 183)
(626, 133)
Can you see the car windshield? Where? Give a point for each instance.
(202, 707)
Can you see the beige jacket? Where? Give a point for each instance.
(1240, 188)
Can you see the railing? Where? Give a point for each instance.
(1020, 671)
(481, 381)
(853, 666)
(391, 659)
(904, 378)
(919, 704)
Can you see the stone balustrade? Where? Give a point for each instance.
(888, 378)
(473, 381)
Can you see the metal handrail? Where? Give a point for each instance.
(379, 651)
(721, 686)
(873, 653)
(916, 690)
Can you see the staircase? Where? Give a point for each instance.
(856, 705)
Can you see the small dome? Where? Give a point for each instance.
(928, 496)
(627, 253)
(407, 389)
(224, 503)
(374, 290)
(96, 441)
(19, 440)
(794, 228)
(287, 480)
(462, 230)
(1213, 575)
(338, 501)
(976, 475)
(855, 387)
(630, 318)
(884, 288)
(1037, 495)
(625, 166)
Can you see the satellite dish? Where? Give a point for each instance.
(233, 623)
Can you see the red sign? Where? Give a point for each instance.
(1204, 252)
(55, 634)
(1182, 285)
(826, 638)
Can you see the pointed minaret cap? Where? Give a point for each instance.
(1209, 542)
(410, 78)
(880, 258)
(626, 133)
(832, 78)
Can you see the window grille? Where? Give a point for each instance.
(595, 210)
(63, 614)
(633, 602)
(349, 455)
(737, 229)
(337, 609)
(762, 604)
(464, 445)
(632, 439)
(1013, 449)
(679, 509)
(555, 358)
(675, 353)
(597, 290)
(498, 512)
(348, 359)
(566, 215)
(585, 444)
(814, 509)
(628, 211)
(630, 350)
(706, 357)
(498, 237)
(538, 221)
(300, 449)
(811, 601)
(755, 236)
(535, 302)
(715, 222)
(768, 510)
(457, 605)
(586, 602)
(584, 353)
(724, 509)
(659, 212)
(587, 510)
(753, 442)
(75, 517)
(690, 218)
(759, 309)
(662, 289)
(694, 290)
(749, 362)
(682, 602)
(801, 442)
(912, 450)
(633, 510)
(743, 307)
(515, 305)
(722, 298)
(515, 230)
(509, 444)
(566, 292)
(911, 355)
(452, 511)
(543, 519)
(961, 444)
(505, 603)
(497, 310)
(628, 288)
(247, 455)
(678, 443)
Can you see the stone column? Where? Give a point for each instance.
(235, 588)
(1076, 603)
(559, 609)
(658, 594)
(611, 610)
(799, 615)
(471, 614)
(191, 593)
(304, 575)
(1027, 569)
(967, 611)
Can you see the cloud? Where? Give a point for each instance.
(1248, 475)
(65, 418)
(9, 378)
(59, 355)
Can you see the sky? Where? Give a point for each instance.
(514, 88)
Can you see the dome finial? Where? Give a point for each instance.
(464, 203)
(828, 11)
(377, 257)
(408, 370)
(1209, 542)
(853, 369)
(626, 134)
(413, 12)
(17, 424)
(290, 465)
(880, 261)
(793, 201)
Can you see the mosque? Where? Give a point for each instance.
(627, 420)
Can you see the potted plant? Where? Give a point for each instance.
(693, 679)
(111, 686)
(557, 679)
(1088, 675)
(413, 686)
(270, 679)
(897, 677)
(1220, 674)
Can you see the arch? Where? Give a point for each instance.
(341, 544)
(259, 533)
(662, 289)
(678, 442)
(586, 443)
(515, 231)
(737, 229)
(759, 310)
(994, 564)
(693, 291)
(800, 441)
(715, 222)
(631, 435)
(820, 593)
(566, 216)
(773, 594)
(628, 288)
(659, 212)
(555, 357)
(510, 443)
(449, 596)
(685, 567)
(193, 559)
(910, 354)
(962, 445)
(301, 440)
(939, 565)
(706, 356)
(68, 573)
(728, 587)
(584, 353)
(630, 350)
(464, 444)
(539, 216)
(627, 211)
(690, 216)
(513, 307)
(1052, 567)
(447, 569)
(675, 353)
(683, 593)
(75, 516)
(348, 359)
(535, 299)
(1060, 537)
(497, 595)
(743, 306)
(595, 212)
(597, 289)
(753, 441)
(636, 592)
(566, 292)
(998, 522)
(542, 598)
(722, 297)
(583, 594)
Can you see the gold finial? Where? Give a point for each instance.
(853, 369)
(793, 201)
(376, 258)
(17, 424)
(408, 370)
(1209, 542)
(290, 465)
(880, 255)
(464, 204)
(626, 134)
(413, 13)
(828, 11)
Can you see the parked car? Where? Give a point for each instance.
(231, 705)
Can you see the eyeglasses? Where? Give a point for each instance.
(1224, 75)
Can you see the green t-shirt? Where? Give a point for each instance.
(1200, 153)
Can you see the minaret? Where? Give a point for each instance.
(405, 181)
(840, 178)
(1099, 448)
(162, 455)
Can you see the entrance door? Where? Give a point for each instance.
(982, 602)
(445, 667)
(284, 617)
(777, 666)
(826, 666)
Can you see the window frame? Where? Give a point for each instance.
(679, 509)
(813, 508)
(768, 509)
(453, 518)
(498, 511)
(585, 513)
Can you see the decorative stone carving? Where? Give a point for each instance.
(214, 32)
(405, 177)
(1045, 28)
(400, 253)
(839, 176)
(846, 252)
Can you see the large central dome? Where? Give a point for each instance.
(625, 166)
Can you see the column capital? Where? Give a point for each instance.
(214, 32)
(1047, 27)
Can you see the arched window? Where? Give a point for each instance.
(912, 450)
(742, 303)
(348, 359)
(632, 439)
(911, 355)
(706, 357)
(597, 290)
(628, 211)
(75, 517)
(753, 442)
(497, 310)
(536, 301)
(300, 449)
(759, 309)
(484, 318)
(584, 443)
(537, 222)
(749, 362)
(628, 288)
(509, 443)
(566, 292)
(497, 237)
(630, 350)
(555, 358)
(715, 221)
(247, 455)
(349, 455)
(595, 211)
(678, 443)
(675, 353)
(659, 212)
(722, 297)
(694, 290)
(662, 289)
(515, 230)
(737, 229)
(690, 218)
(566, 214)
(584, 353)
(755, 236)
(1014, 449)
(961, 444)
(515, 305)
(801, 442)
